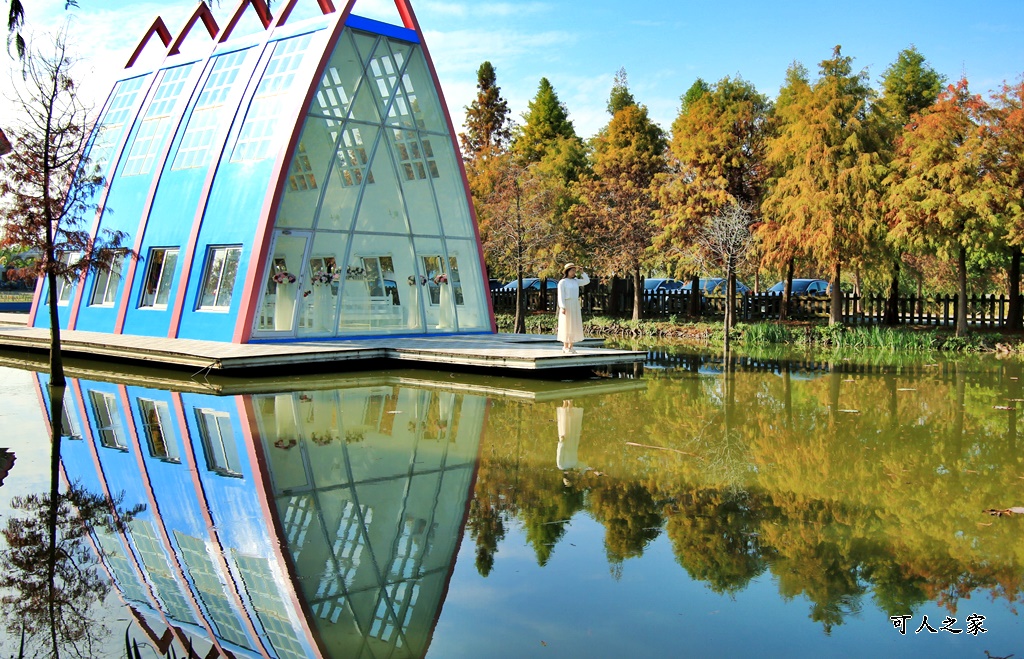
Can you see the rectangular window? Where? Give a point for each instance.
(156, 423)
(66, 286)
(69, 428)
(159, 276)
(108, 423)
(109, 130)
(432, 266)
(219, 277)
(372, 266)
(218, 442)
(196, 144)
(302, 177)
(352, 161)
(258, 135)
(104, 290)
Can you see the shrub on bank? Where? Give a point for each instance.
(904, 339)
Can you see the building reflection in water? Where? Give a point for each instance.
(312, 523)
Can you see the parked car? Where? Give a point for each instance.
(802, 287)
(716, 286)
(494, 284)
(530, 284)
(662, 285)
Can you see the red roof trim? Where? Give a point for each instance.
(326, 7)
(158, 28)
(408, 18)
(203, 12)
(262, 11)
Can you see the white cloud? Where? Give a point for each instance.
(482, 10)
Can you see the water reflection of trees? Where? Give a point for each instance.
(843, 483)
(79, 584)
(50, 577)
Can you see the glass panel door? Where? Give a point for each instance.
(286, 276)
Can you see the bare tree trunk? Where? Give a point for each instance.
(961, 298)
(520, 323)
(856, 289)
(1014, 311)
(695, 296)
(787, 291)
(638, 293)
(891, 317)
(730, 293)
(730, 298)
(835, 314)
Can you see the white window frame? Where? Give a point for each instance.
(155, 418)
(213, 276)
(161, 289)
(106, 283)
(108, 420)
(218, 442)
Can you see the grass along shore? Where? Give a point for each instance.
(796, 333)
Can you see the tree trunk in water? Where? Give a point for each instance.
(961, 298)
(56, 416)
(787, 291)
(1015, 320)
(835, 314)
(638, 294)
(56, 360)
(891, 317)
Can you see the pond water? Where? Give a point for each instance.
(775, 506)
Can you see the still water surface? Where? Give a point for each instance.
(772, 506)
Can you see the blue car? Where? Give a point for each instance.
(530, 284)
(802, 287)
(716, 286)
(662, 285)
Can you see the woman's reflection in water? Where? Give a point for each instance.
(570, 423)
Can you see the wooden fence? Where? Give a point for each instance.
(983, 311)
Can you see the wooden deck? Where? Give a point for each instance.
(516, 352)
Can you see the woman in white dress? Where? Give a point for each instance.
(570, 315)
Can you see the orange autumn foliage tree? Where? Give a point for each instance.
(617, 203)
(939, 196)
(827, 148)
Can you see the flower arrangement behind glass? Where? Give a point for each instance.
(322, 278)
(441, 279)
(413, 279)
(353, 272)
(284, 277)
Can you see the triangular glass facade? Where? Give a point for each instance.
(375, 195)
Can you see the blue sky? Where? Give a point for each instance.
(664, 45)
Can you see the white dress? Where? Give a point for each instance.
(570, 423)
(570, 323)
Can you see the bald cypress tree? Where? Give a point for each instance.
(488, 124)
(545, 120)
(617, 203)
(909, 86)
(829, 148)
(940, 196)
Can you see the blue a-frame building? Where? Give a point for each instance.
(296, 180)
